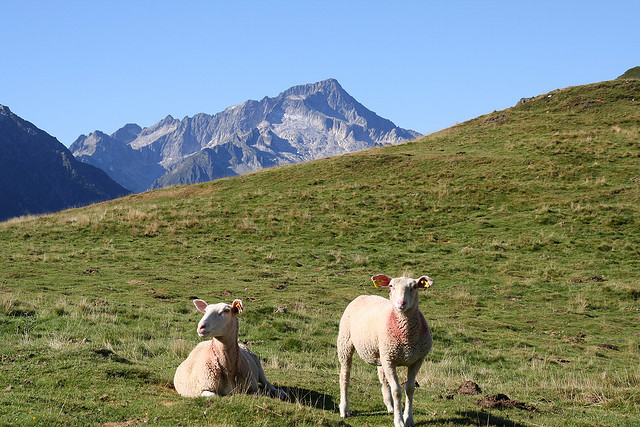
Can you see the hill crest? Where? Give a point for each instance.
(631, 73)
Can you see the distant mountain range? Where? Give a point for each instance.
(303, 123)
(40, 175)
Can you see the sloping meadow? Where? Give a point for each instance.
(527, 219)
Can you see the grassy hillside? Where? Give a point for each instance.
(631, 73)
(526, 218)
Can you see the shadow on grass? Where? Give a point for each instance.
(466, 418)
(478, 418)
(310, 398)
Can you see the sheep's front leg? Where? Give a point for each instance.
(386, 391)
(396, 392)
(207, 393)
(410, 388)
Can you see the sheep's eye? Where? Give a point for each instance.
(226, 310)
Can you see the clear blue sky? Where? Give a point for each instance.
(72, 67)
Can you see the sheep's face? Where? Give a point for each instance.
(219, 319)
(403, 290)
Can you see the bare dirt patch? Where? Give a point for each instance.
(609, 346)
(502, 401)
(468, 387)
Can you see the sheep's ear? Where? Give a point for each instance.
(237, 306)
(200, 305)
(424, 282)
(381, 280)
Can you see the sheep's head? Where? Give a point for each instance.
(403, 290)
(219, 319)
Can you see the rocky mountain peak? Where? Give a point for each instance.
(127, 133)
(302, 123)
(324, 86)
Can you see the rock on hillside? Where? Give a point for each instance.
(39, 175)
(303, 123)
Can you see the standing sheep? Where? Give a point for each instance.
(221, 366)
(386, 333)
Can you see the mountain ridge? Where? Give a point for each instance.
(38, 174)
(302, 123)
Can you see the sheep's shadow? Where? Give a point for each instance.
(310, 398)
(479, 418)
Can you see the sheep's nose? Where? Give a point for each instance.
(401, 304)
(201, 328)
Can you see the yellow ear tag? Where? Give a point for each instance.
(425, 283)
(376, 282)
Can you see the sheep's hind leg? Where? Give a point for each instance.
(345, 355)
(386, 391)
(273, 391)
(268, 388)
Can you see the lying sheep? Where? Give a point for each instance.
(386, 333)
(221, 366)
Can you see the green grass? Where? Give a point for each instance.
(526, 218)
(631, 73)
